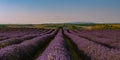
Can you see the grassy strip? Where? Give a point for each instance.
(40, 50)
(75, 52)
(72, 50)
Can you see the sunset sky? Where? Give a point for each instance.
(59, 11)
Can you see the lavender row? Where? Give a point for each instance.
(94, 50)
(17, 40)
(111, 34)
(108, 42)
(22, 32)
(3, 38)
(25, 35)
(25, 50)
(57, 50)
(18, 33)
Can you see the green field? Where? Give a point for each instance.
(65, 26)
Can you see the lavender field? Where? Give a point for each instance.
(59, 44)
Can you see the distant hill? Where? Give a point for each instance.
(79, 23)
(73, 23)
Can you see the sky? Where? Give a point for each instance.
(59, 11)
